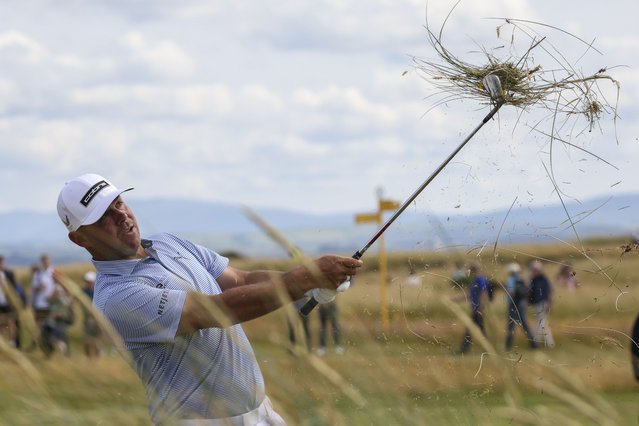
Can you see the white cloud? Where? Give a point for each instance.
(27, 48)
(258, 100)
(389, 146)
(346, 103)
(150, 100)
(285, 105)
(7, 93)
(300, 148)
(164, 58)
(24, 50)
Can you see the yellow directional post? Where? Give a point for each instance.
(383, 205)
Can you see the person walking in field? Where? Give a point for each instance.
(478, 297)
(293, 336)
(53, 333)
(517, 302)
(42, 288)
(178, 307)
(329, 314)
(91, 332)
(567, 277)
(541, 300)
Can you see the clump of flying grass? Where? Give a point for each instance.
(542, 77)
(463, 80)
(560, 88)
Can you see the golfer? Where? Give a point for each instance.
(178, 306)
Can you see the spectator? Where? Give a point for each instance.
(42, 288)
(304, 320)
(567, 276)
(329, 313)
(92, 334)
(413, 279)
(12, 299)
(477, 295)
(460, 274)
(517, 302)
(60, 317)
(541, 300)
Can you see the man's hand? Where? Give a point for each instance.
(336, 269)
(332, 274)
(326, 272)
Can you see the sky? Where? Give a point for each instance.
(310, 106)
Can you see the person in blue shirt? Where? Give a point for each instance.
(178, 308)
(541, 300)
(477, 295)
(517, 302)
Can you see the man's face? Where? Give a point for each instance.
(115, 236)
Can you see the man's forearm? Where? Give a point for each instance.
(254, 277)
(294, 283)
(235, 305)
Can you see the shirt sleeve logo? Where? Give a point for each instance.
(164, 298)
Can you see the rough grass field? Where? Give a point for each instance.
(406, 376)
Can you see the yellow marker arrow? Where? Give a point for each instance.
(368, 218)
(388, 205)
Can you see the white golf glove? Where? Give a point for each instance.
(325, 295)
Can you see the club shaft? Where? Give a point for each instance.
(427, 182)
(308, 307)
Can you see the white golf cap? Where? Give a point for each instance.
(514, 268)
(84, 199)
(536, 265)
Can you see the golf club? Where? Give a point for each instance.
(492, 85)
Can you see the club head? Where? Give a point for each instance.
(492, 84)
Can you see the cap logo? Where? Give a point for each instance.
(93, 192)
(66, 220)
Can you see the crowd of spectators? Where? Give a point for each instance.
(47, 303)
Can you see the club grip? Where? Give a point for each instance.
(312, 302)
(308, 306)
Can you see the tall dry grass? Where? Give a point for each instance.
(408, 376)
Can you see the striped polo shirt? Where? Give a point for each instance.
(211, 373)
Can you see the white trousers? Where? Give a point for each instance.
(542, 309)
(264, 415)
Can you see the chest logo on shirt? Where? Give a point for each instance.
(163, 299)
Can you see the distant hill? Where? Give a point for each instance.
(25, 234)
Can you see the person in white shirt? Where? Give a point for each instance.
(42, 287)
